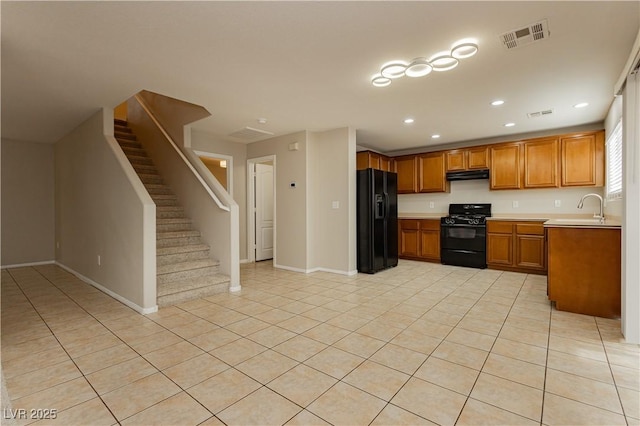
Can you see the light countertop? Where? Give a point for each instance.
(550, 220)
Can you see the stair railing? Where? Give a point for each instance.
(166, 134)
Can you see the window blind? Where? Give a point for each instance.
(614, 163)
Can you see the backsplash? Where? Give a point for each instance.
(502, 202)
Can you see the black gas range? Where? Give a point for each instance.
(463, 235)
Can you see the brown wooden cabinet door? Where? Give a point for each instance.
(500, 249)
(478, 158)
(431, 173)
(541, 163)
(408, 241)
(430, 239)
(406, 169)
(456, 160)
(430, 244)
(582, 159)
(505, 166)
(374, 160)
(385, 163)
(530, 252)
(362, 160)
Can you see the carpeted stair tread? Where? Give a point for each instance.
(186, 266)
(188, 248)
(185, 290)
(177, 234)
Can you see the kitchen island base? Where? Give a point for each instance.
(584, 274)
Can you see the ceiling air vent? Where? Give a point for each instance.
(249, 133)
(526, 35)
(540, 113)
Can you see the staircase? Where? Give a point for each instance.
(184, 269)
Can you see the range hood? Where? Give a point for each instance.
(468, 175)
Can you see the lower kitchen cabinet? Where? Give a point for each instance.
(516, 246)
(419, 239)
(584, 270)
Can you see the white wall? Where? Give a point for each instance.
(291, 203)
(203, 141)
(28, 224)
(102, 209)
(530, 201)
(331, 179)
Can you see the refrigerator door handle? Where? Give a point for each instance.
(386, 205)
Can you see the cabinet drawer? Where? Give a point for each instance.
(499, 227)
(430, 225)
(530, 228)
(409, 224)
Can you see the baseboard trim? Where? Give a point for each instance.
(244, 261)
(26, 265)
(103, 289)
(319, 269)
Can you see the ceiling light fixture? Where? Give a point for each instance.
(509, 124)
(408, 121)
(464, 49)
(262, 120)
(443, 61)
(581, 105)
(379, 81)
(497, 102)
(435, 136)
(393, 69)
(419, 67)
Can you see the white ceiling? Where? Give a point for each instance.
(308, 65)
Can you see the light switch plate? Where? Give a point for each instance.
(557, 203)
(515, 205)
(432, 205)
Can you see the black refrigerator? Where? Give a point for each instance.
(377, 211)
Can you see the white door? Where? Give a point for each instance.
(264, 211)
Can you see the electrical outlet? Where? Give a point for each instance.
(99, 260)
(515, 205)
(335, 204)
(57, 244)
(432, 205)
(557, 203)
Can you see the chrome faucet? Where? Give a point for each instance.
(581, 203)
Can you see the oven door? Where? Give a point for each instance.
(463, 237)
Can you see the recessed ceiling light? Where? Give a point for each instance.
(435, 136)
(581, 105)
(408, 121)
(509, 124)
(262, 120)
(497, 102)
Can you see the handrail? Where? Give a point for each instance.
(179, 151)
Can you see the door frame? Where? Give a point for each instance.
(251, 221)
(228, 159)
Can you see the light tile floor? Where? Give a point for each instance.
(418, 344)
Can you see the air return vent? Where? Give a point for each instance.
(540, 113)
(526, 35)
(249, 133)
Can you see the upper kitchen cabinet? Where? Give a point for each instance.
(370, 159)
(467, 159)
(406, 168)
(582, 157)
(431, 172)
(541, 163)
(505, 166)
